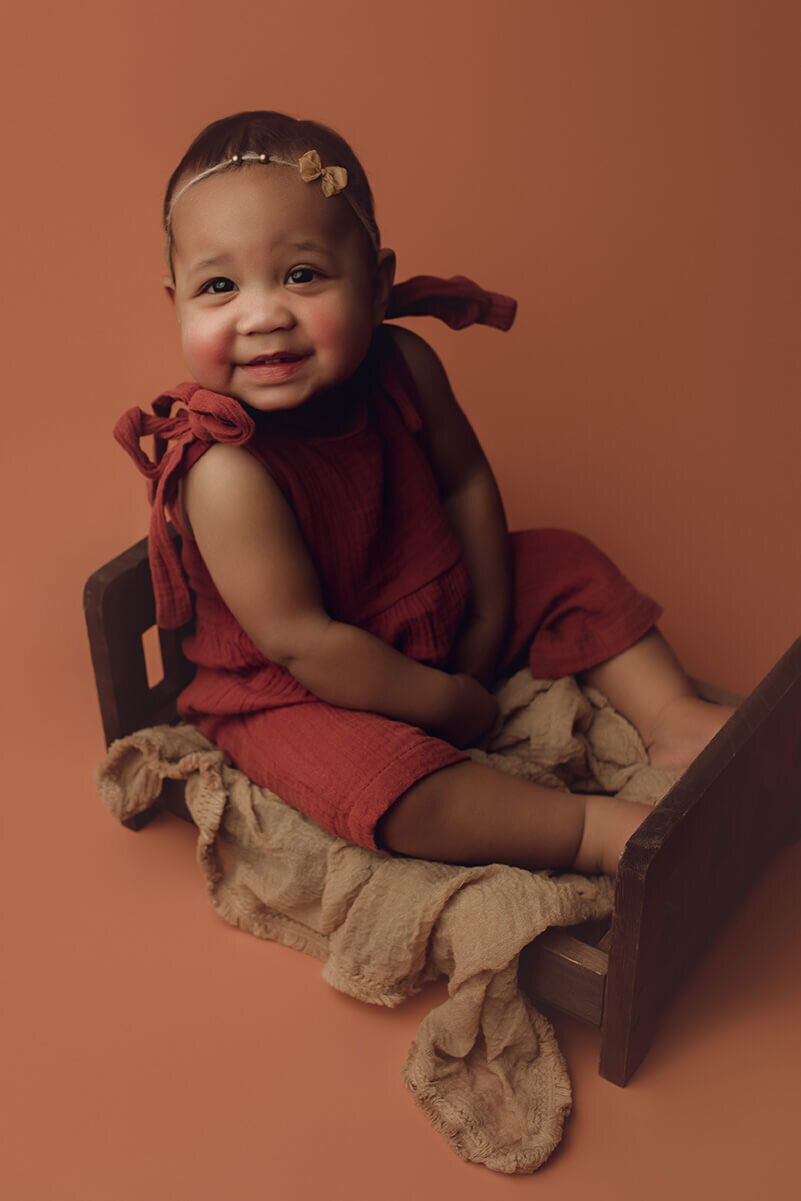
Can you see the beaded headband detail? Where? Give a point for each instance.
(332, 180)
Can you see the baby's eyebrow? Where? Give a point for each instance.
(301, 244)
(308, 244)
(210, 262)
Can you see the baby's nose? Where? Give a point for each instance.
(265, 312)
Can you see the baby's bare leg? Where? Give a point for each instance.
(472, 814)
(647, 684)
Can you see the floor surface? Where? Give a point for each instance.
(153, 1051)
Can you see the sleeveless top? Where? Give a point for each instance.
(366, 502)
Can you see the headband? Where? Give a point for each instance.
(332, 180)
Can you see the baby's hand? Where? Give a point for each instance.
(473, 713)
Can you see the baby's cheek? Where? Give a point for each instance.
(340, 333)
(204, 346)
(329, 327)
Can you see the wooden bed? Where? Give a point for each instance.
(681, 875)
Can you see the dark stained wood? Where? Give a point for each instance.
(691, 861)
(172, 800)
(561, 970)
(606, 941)
(591, 931)
(119, 607)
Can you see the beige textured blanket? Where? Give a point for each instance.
(484, 1066)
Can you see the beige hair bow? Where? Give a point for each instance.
(334, 179)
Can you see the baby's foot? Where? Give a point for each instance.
(608, 825)
(683, 729)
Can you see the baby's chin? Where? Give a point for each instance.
(260, 403)
(280, 400)
(211, 385)
(270, 404)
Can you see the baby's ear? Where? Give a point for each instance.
(169, 287)
(384, 279)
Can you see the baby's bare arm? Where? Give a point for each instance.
(255, 553)
(472, 502)
(347, 666)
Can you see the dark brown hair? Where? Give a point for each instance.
(272, 133)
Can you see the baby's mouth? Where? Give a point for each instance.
(274, 358)
(267, 369)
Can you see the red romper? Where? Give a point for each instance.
(367, 504)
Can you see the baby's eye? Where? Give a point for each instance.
(307, 271)
(219, 279)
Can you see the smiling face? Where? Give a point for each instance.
(266, 265)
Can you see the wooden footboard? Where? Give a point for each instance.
(684, 870)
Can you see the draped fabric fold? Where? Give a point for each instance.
(213, 417)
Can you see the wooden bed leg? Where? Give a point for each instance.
(685, 869)
(139, 820)
(172, 799)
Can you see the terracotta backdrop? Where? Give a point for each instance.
(630, 172)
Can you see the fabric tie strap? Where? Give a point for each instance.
(213, 417)
(208, 417)
(457, 301)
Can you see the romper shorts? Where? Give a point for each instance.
(344, 768)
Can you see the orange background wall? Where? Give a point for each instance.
(630, 172)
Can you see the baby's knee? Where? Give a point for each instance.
(413, 823)
(587, 562)
(562, 547)
(579, 546)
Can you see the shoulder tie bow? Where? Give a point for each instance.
(209, 417)
(457, 301)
